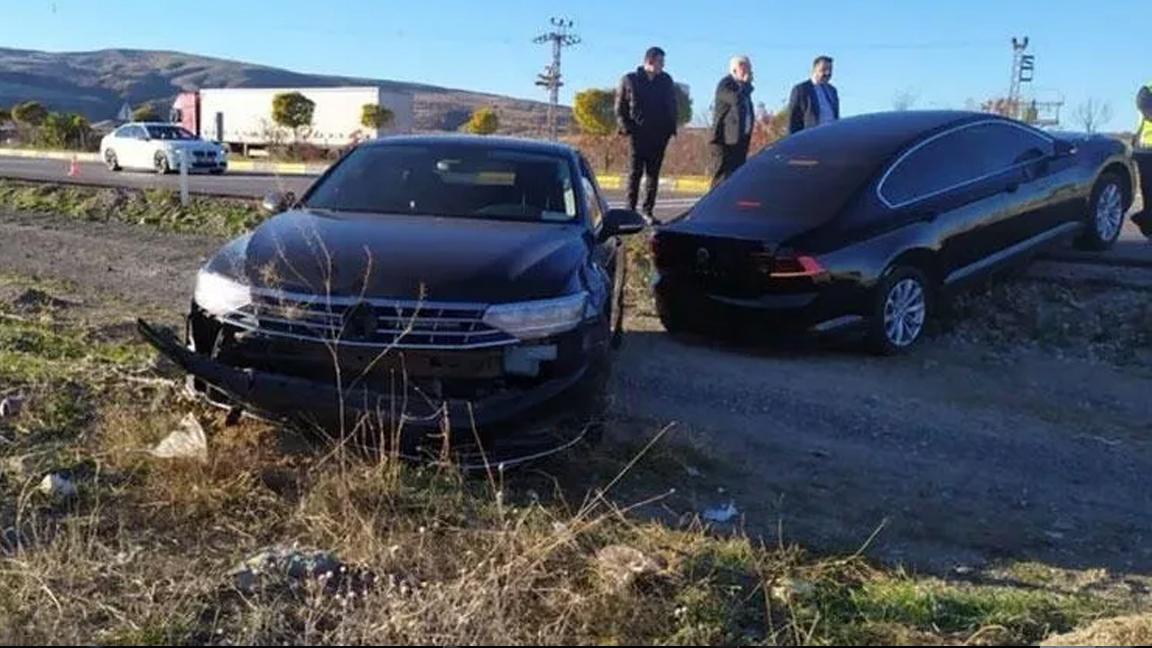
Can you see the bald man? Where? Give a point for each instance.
(733, 119)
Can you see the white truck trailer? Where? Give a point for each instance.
(242, 117)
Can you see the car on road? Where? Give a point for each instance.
(422, 285)
(866, 225)
(159, 147)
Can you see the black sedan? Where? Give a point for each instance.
(865, 224)
(423, 285)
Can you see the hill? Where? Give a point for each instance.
(98, 83)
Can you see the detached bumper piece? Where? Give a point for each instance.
(417, 425)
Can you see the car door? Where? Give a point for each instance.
(605, 252)
(959, 182)
(136, 148)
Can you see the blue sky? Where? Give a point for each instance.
(943, 53)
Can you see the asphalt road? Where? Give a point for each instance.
(239, 185)
(1132, 249)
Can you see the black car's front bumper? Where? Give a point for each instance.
(501, 425)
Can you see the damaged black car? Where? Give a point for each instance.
(433, 291)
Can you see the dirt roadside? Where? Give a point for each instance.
(991, 443)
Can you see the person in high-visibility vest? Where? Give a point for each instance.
(1142, 154)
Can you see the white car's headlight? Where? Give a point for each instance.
(537, 319)
(218, 295)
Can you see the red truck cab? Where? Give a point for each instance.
(186, 112)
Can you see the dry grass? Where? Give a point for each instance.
(143, 555)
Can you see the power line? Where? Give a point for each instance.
(560, 37)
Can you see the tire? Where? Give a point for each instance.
(1105, 217)
(111, 161)
(902, 307)
(160, 164)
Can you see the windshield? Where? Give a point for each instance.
(458, 181)
(169, 133)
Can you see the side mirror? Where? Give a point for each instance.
(275, 202)
(622, 222)
(1064, 148)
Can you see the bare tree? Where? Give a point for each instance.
(1092, 113)
(904, 100)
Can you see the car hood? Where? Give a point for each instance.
(409, 257)
(190, 145)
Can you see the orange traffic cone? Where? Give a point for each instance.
(74, 168)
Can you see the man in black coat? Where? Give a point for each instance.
(733, 119)
(815, 101)
(646, 111)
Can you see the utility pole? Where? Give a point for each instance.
(560, 37)
(1038, 113)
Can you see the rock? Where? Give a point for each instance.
(279, 568)
(58, 487)
(621, 565)
(187, 442)
(721, 514)
(789, 589)
(1119, 631)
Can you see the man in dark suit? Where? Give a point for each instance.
(733, 119)
(646, 111)
(815, 101)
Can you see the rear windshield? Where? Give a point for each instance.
(169, 133)
(799, 178)
(456, 181)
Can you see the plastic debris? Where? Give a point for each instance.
(58, 487)
(721, 514)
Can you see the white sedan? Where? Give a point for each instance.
(158, 147)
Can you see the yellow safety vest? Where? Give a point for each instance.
(1144, 131)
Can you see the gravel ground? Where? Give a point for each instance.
(1019, 431)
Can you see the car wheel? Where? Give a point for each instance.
(160, 163)
(1105, 213)
(902, 308)
(111, 161)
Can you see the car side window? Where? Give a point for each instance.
(592, 194)
(959, 158)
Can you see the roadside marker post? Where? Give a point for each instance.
(183, 178)
(74, 167)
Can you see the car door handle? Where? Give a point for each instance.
(1012, 187)
(927, 216)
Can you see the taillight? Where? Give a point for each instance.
(795, 266)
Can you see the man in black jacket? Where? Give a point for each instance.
(646, 111)
(815, 101)
(1142, 154)
(733, 119)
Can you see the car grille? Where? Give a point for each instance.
(371, 323)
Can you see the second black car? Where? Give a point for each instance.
(864, 223)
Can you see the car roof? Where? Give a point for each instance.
(876, 137)
(478, 141)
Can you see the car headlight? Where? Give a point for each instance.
(218, 295)
(537, 319)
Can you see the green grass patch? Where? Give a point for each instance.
(160, 208)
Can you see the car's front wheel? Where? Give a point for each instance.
(901, 311)
(1106, 209)
(160, 164)
(111, 161)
